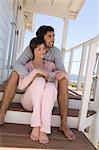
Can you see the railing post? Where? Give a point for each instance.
(87, 86)
(70, 61)
(96, 106)
(96, 88)
(81, 66)
(64, 38)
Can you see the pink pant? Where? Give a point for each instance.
(40, 97)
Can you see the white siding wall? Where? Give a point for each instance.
(6, 15)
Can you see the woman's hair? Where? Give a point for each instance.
(43, 30)
(34, 43)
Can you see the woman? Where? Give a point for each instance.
(41, 91)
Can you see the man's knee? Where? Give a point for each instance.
(13, 77)
(63, 83)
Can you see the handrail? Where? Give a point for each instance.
(85, 46)
(96, 38)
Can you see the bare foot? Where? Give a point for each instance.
(35, 133)
(67, 132)
(2, 116)
(43, 138)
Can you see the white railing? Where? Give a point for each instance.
(76, 60)
(88, 66)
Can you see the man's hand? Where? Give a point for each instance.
(60, 75)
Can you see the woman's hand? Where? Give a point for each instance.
(43, 73)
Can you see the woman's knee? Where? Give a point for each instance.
(51, 88)
(39, 80)
(26, 106)
(38, 83)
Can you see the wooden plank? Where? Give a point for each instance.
(18, 136)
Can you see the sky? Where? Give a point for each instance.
(85, 27)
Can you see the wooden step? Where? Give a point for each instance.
(72, 94)
(18, 136)
(17, 114)
(71, 112)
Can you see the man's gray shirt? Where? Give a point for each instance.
(53, 54)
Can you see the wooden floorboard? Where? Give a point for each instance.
(18, 136)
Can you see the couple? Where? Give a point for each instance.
(21, 72)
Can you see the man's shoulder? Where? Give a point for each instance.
(27, 51)
(55, 48)
(27, 48)
(50, 62)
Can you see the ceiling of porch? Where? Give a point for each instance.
(68, 9)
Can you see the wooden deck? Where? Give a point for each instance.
(17, 136)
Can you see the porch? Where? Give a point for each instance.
(83, 112)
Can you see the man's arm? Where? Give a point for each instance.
(19, 65)
(59, 61)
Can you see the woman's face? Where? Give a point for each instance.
(39, 51)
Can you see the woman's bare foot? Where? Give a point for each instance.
(2, 116)
(43, 138)
(67, 132)
(35, 133)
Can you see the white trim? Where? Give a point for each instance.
(87, 85)
(46, 9)
(53, 2)
(25, 117)
(89, 120)
(16, 98)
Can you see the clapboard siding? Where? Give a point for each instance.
(6, 15)
(2, 42)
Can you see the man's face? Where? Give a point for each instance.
(49, 39)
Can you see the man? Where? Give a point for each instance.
(52, 54)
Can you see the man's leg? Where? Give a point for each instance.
(8, 94)
(63, 106)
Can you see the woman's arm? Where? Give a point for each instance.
(24, 82)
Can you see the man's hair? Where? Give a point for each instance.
(34, 43)
(43, 30)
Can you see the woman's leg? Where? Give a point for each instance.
(32, 101)
(49, 98)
